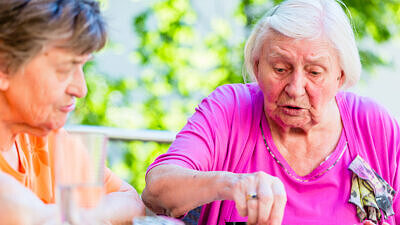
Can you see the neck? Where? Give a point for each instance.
(325, 133)
(7, 134)
(12, 124)
(305, 149)
(7, 139)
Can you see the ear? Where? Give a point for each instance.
(4, 80)
(255, 68)
(341, 78)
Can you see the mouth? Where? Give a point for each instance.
(292, 107)
(293, 110)
(68, 108)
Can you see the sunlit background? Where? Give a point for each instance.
(164, 56)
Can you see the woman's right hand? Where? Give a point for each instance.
(259, 196)
(167, 191)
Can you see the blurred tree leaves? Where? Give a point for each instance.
(182, 64)
(377, 20)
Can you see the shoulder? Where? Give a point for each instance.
(235, 92)
(377, 132)
(357, 102)
(364, 110)
(232, 101)
(236, 96)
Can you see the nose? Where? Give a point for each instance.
(77, 87)
(296, 84)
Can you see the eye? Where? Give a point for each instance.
(315, 73)
(280, 70)
(314, 70)
(64, 74)
(65, 70)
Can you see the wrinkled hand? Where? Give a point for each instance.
(260, 197)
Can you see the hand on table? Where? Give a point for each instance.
(260, 197)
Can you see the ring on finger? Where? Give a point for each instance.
(251, 196)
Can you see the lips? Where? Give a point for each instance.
(292, 107)
(68, 108)
(293, 110)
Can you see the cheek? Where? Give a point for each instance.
(39, 112)
(272, 93)
(48, 117)
(321, 96)
(271, 88)
(272, 97)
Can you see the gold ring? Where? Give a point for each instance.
(251, 196)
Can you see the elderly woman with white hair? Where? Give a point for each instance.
(293, 147)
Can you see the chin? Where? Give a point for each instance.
(56, 126)
(45, 128)
(300, 123)
(41, 132)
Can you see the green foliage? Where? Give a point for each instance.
(377, 20)
(181, 65)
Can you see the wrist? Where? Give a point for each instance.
(224, 185)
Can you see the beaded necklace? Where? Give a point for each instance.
(291, 173)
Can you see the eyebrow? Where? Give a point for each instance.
(317, 59)
(276, 54)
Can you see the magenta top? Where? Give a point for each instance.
(224, 134)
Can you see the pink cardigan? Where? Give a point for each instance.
(224, 134)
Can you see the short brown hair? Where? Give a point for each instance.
(26, 26)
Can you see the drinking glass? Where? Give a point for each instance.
(79, 173)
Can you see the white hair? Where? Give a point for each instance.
(308, 19)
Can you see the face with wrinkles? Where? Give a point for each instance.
(299, 79)
(42, 93)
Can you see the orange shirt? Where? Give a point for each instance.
(36, 172)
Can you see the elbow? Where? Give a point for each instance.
(154, 194)
(155, 185)
(151, 199)
(158, 202)
(159, 194)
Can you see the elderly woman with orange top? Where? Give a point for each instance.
(43, 47)
(293, 147)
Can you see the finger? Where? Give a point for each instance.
(239, 196)
(368, 222)
(252, 210)
(278, 206)
(240, 201)
(265, 201)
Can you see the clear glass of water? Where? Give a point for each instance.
(79, 172)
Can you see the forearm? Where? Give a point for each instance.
(173, 190)
(18, 205)
(122, 206)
